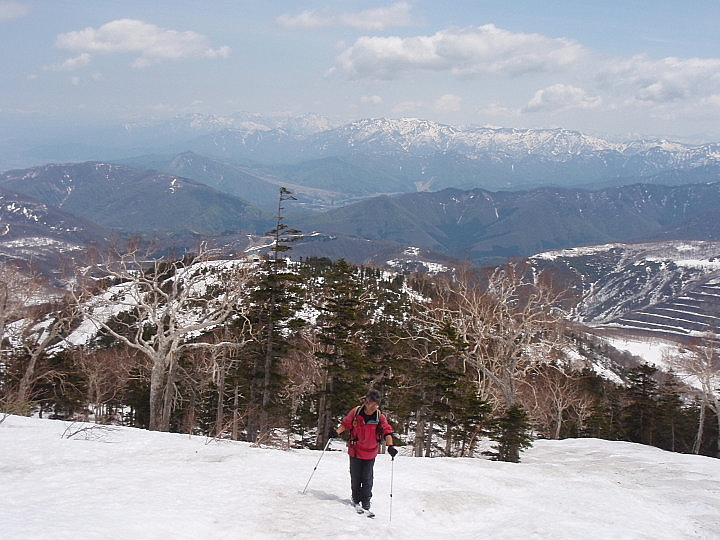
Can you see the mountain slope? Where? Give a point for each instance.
(37, 233)
(316, 184)
(486, 226)
(134, 200)
(239, 181)
(668, 287)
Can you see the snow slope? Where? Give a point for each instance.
(123, 483)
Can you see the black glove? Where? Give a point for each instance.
(392, 451)
(333, 434)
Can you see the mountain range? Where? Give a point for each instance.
(407, 194)
(488, 227)
(478, 225)
(373, 156)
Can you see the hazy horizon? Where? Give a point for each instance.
(611, 69)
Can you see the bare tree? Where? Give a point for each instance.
(36, 335)
(107, 372)
(32, 319)
(12, 297)
(550, 394)
(500, 330)
(701, 369)
(161, 307)
(302, 375)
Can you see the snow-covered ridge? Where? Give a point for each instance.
(416, 135)
(689, 253)
(692, 254)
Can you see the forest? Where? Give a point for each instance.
(478, 362)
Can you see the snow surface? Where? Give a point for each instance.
(62, 481)
(655, 352)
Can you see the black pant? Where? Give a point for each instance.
(361, 480)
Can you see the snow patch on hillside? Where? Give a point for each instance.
(655, 352)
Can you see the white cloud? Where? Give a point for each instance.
(71, 64)
(373, 100)
(464, 51)
(662, 81)
(448, 103)
(561, 97)
(371, 19)
(711, 101)
(152, 43)
(13, 10)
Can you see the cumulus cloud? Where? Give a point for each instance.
(151, 43)
(464, 51)
(662, 81)
(561, 97)
(13, 10)
(370, 19)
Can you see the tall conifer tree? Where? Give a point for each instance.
(341, 333)
(274, 305)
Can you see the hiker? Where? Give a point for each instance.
(367, 427)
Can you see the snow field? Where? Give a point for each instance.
(123, 483)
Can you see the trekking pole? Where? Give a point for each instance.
(316, 465)
(392, 471)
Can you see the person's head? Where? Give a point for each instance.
(372, 400)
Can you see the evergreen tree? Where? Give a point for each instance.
(425, 386)
(639, 416)
(512, 433)
(604, 420)
(469, 418)
(675, 422)
(341, 333)
(274, 305)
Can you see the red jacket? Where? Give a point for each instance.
(364, 441)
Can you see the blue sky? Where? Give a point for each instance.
(611, 68)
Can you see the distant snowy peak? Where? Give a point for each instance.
(416, 136)
(314, 136)
(405, 134)
(549, 142)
